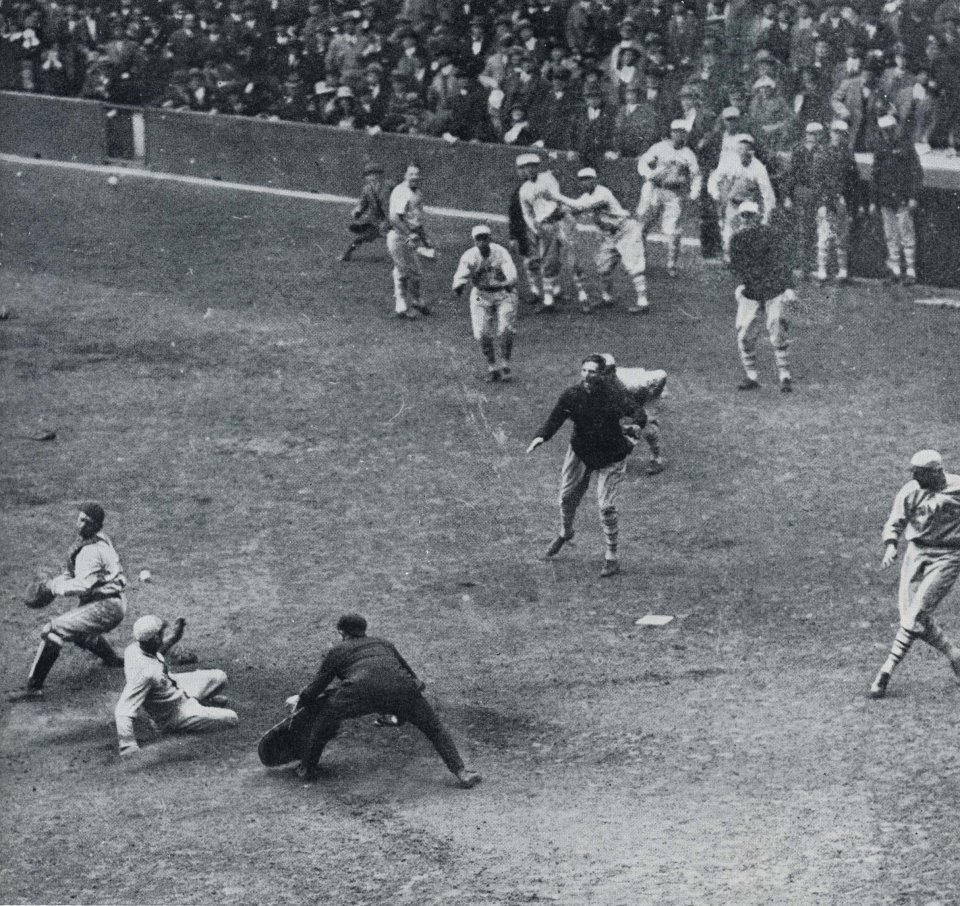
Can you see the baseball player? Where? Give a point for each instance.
(606, 423)
(95, 577)
(670, 173)
(373, 677)
(737, 179)
(407, 241)
(369, 217)
(489, 270)
(897, 180)
(521, 245)
(622, 239)
(550, 227)
(762, 267)
(836, 187)
(926, 513)
(644, 386)
(175, 702)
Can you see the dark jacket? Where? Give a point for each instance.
(367, 666)
(897, 175)
(597, 437)
(760, 262)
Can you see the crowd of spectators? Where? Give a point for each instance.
(603, 78)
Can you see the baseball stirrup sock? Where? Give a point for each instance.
(640, 285)
(46, 657)
(898, 651)
(611, 531)
(506, 345)
(399, 290)
(651, 434)
(486, 347)
(934, 637)
(673, 251)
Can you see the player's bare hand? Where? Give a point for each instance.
(536, 442)
(912, 204)
(872, 209)
(889, 555)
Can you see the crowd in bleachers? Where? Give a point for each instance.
(600, 77)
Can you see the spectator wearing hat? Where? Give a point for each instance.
(581, 28)
(627, 73)
(802, 195)
(519, 132)
(343, 54)
(593, 128)
(684, 35)
(671, 176)
(857, 101)
(837, 197)
(803, 37)
(770, 115)
(739, 178)
(896, 182)
(547, 19)
(489, 271)
(372, 100)
(810, 102)
(924, 514)
(369, 217)
(477, 47)
(523, 84)
(552, 114)
(175, 702)
(395, 111)
(764, 294)
(654, 19)
(914, 107)
(373, 678)
(410, 63)
(95, 577)
(636, 125)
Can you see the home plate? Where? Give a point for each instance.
(939, 302)
(654, 619)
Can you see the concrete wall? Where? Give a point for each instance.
(467, 176)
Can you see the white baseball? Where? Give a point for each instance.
(113, 181)
(145, 575)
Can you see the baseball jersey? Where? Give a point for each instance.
(94, 571)
(370, 664)
(494, 273)
(148, 686)
(927, 518)
(538, 200)
(671, 168)
(406, 204)
(735, 182)
(602, 205)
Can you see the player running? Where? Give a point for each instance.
(369, 217)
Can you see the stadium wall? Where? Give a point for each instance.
(471, 177)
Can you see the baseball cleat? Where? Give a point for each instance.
(879, 687)
(468, 779)
(748, 384)
(910, 279)
(493, 375)
(638, 309)
(556, 544)
(423, 309)
(843, 277)
(27, 694)
(786, 385)
(610, 568)
(671, 272)
(544, 309)
(506, 375)
(656, 467)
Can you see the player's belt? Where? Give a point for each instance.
(941, 545)
(99, 596)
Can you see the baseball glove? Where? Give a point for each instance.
(38, 595)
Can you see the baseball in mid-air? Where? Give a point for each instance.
(145, 575)
(113, 181)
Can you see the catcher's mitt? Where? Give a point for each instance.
(38, 596)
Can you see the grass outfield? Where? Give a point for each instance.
(276, 448)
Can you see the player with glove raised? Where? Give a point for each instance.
(95, 576)
(492, 276)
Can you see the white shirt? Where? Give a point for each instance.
(96, 569)
(731, 178)
(677, 167)
(148, 686)
(492, 274)
(930, 517)
(406, 204)
(602, 205)
(538, 199)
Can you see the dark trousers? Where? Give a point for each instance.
(711, 245)
(410, 707)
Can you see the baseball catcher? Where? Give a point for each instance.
(94, 576)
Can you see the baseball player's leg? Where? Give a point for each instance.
(630, 247)
(748, 332)
(912, 570)
(85, 626)
(649, 205)
(415, 281)
(51, 645)
(195, 717)
(567, 232)
(672, 211)
(201, 684)
(608, 483)
(483, 321)
(550, 262)
(825, 235)
(419, 713)
(842, 239)
(506, 313)
(397, 248)
(574, 481)
(908, 239)
(778, 329)
(939, 576)
(730, 218)
(651, 434)
(606, 261)
(891, 235)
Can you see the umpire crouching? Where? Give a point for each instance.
(374, 678)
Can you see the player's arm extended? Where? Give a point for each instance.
(325, 675)
(132, 699)
(463, 275)
(896, 523)
(92, 564)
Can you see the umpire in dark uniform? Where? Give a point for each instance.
(606, 424)
(374, 678)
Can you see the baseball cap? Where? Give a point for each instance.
(730, 113)
(839, 126)
(887, 122)
(748, 207)
(746, 137)
(146, 627)
(481, 229)
(586, 173)
(94, 512)
(526, 160)
(679, 126)
(369, 169)
(352, 624)
(412, 170)
(608, 360)
(926, 459)
(814, 128)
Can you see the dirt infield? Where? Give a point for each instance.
(275, 448)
